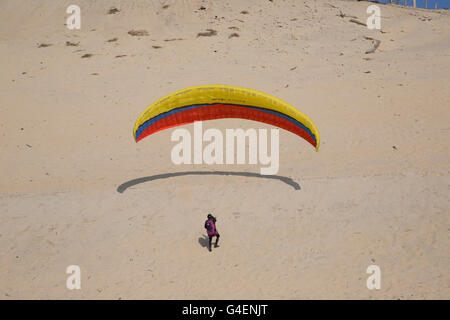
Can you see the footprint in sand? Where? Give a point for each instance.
(72, 44)
(113, 10)
(208, 33)
(44, 45)
(138, 33)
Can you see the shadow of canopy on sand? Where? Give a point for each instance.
(124, 186)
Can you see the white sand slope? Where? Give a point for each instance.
(66, 146)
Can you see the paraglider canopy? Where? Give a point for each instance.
(208, 102)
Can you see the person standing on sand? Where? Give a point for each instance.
(211, 230)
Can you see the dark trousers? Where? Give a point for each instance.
(217, 239)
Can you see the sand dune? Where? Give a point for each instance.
(375, 193)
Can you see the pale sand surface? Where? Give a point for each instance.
(361, 201)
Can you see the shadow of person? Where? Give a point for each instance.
(203, 241)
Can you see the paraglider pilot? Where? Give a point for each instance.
(211, 230)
